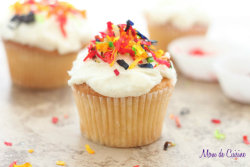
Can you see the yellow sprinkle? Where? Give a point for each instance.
(139, 50)
(61, 163)
(114, 54)
(116, 39)
(173, 144)
(102, 47)
(30, 150)
(132, 65)
(159, 53)
(24, 165)
(89, 150)
(108, 37)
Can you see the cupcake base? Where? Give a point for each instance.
(164, 34)
(36, 68)
(122, 122)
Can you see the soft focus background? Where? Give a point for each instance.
(25, 116)
(229, 18)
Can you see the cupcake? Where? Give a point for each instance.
(41, 40)
(122, 86)
(195, 56)
(233, 74)
(168, 20)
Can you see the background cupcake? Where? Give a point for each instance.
(168, 20)
(41, 41)
(195, 56)
(122, 87)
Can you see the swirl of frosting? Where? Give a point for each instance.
(121, 62)
(47, 24)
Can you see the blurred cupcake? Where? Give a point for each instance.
(168, 20)
(196, 55)
(41, 40)
(122, 88)
(233, 73)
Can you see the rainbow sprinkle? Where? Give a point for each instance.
(219, 135)
(8, 143)
(30, 150)
(123, 39)
(13, 163)
(89, 150)
(61, 163)
(23, 165)
(28, 11)
(245, 140)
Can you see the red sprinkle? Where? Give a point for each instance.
(62, 21)
(136, 166)
(245, 139)
(216, 121)
(12, 164)
(66, 116)
(8, 143)
(197, 52)
(116, 72)
(54, 120)
(177, 121)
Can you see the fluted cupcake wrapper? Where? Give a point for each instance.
(122, 122)
(36, 68)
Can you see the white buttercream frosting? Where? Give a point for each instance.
(47, 35)
(101, 78)
(179, 13)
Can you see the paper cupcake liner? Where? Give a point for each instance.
(164, 34)
(36, 68)
(122, 122)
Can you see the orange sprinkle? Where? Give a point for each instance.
(30, 150)
(61, 163)
(89, 150)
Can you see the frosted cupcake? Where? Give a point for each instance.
(41, 40)
(122, 87)
(195, 56)
(233, 73)
(169, 20)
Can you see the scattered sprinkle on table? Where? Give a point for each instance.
(61, 163)
(12, 164)
(23, 165)
(30, 150)
(54, 120)
(216, 121)
(184, 111)
(89, 150)
(219, 135)
(177, 120)
(245, 140)
(66, 116)
(8, 143)
(168, 143)
(136, 166)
